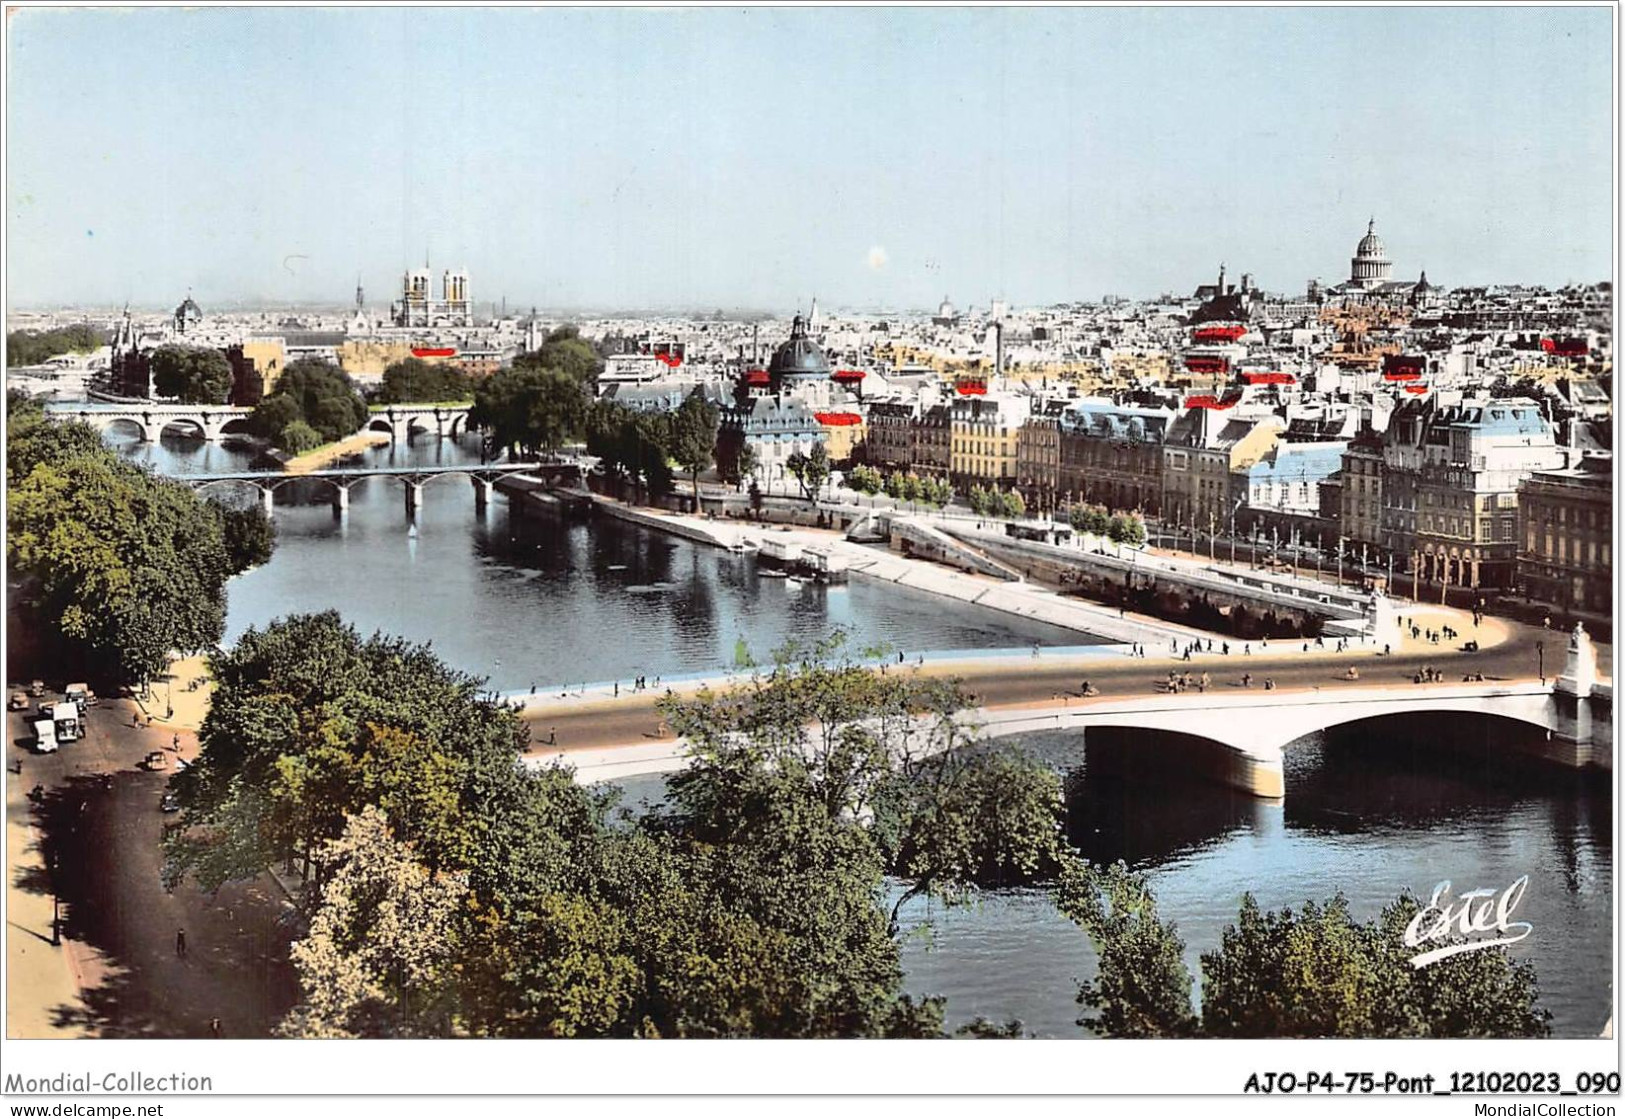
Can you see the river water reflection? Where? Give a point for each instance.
(554, 603)
(1370, 811)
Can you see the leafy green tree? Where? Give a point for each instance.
(1143, 988)
(315, 392)
(191, 375)
(694, 438)
(413, 380)
(746, 461)
(299, 438)
(112, 567)
(1319, 973)
(1013, 504)
(378, 957)
(34, 347)
(1314, 973)
(565, 351)
(809, 469)
(964, 820)
(530, 409)
(249, 535)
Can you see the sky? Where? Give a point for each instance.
(758, 158)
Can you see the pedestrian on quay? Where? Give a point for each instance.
(617, 689)
(214, 1027)
(180, 943)
(175, 743)
(552, 736)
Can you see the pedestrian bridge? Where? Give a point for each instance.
(484, 478)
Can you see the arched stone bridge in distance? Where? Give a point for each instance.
(213, 422)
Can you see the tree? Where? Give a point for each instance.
(315, 392)
(34, 347)
(1143, 988)
(746, 462)
(413, 380)
(1319, 973)
(376, 962)
(811, 470)
(965, 820)
(191, 375)
(249, 536)
(565, 351)
(694, 437)
(530, 408)
(1315, 973)
(113, 568)
(299, 438)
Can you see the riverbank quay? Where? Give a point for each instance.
(1022, 600)
(123, 967)
(330, 453)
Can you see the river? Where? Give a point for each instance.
(1368, 814)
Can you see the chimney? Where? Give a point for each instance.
(998, 350)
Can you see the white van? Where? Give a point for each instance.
(45, 736)
(70, 726)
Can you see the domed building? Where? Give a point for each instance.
(1370, 268)
(1371, 276)
(799, 361)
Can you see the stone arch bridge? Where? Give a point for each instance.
(150, 419)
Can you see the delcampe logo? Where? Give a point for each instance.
(1472, 914)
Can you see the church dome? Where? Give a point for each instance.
(1371, 246)
(800, 357)
(1370, 268)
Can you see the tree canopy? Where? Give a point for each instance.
(694, 437)
(414, 380)
(316, 393)
(193, 375)
(529, 409)
(32, 347)
(566, 351)
(1314, 973)
(114, 567)
(457, 891)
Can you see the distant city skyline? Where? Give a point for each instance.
(756, 159)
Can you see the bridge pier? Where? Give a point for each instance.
(482, 494)
(267, 500)
(341, 500)
(414, 496)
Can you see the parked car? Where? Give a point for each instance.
(37, 688)
(17, 701)
(169, 802)
(80, 694)
(157, 759)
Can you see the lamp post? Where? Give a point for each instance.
(1540, 659)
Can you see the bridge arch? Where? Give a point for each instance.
(184, 425)
(122, 425)
(383, 424)
(238, 426)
